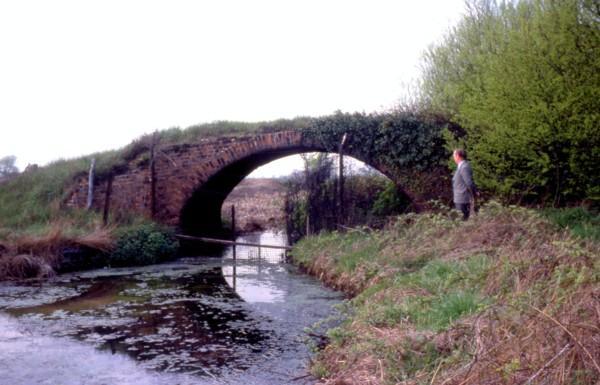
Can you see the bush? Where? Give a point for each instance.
(521, 78)
(369, 197)
(581, 222)
(144, 245)
(389, 201)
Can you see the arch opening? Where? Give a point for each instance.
(202, 212)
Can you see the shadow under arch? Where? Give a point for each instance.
(201, 213)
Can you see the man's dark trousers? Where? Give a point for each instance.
(465, 208)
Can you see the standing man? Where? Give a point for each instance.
(463, 187)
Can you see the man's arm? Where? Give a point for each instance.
(466, 173)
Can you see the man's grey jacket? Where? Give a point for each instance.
(463, 187)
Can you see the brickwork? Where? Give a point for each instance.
(182, 169)
(179, 170)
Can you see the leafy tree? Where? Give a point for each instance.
(7, 166)
(312, 198)
(309, 195)
(523, 79)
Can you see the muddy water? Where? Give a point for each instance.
(199, 320)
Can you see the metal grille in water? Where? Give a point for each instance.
(264, 254)
(269, 255)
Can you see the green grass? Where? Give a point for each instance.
(352, 249)
(230, 128)
(438, 276)
(34, 198)
(426, 285)
(581, 222)
(438, 312)
(426, 359)
(448, 290)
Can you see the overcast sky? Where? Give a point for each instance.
(83, 76)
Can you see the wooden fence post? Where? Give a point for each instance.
(234, 251)
(90, 197)
(107, 199)
(233, 229)
(153, 177)
(341, 178)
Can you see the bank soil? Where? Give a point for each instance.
(505, 298)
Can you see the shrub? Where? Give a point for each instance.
(581, 222)
(369, 198)
(521, 78)
(389, 201)
(143, 245)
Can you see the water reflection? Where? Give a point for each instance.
(255, 271)
(182, 317)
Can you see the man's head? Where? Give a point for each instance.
(459, 155)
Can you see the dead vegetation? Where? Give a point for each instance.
(258, 203)
(38, 256)
(506, 298)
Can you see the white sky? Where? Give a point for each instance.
(81, 76)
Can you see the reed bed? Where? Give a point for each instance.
(26, 255)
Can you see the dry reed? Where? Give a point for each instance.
(38, 256)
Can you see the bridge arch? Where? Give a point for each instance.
(186, 180)
(201, 213)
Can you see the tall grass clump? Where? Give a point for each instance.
(59, 246)
(508, 297)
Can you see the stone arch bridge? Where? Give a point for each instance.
(186, 184)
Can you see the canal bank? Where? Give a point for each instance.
(505, 298)
(190, 321)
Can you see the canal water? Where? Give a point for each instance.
(198, 320)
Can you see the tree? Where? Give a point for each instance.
(523, 80)
(310, 196)
(7, 166)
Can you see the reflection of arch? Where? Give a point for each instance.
(201, 213)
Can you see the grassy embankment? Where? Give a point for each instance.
(35, 226)
(508, 297)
